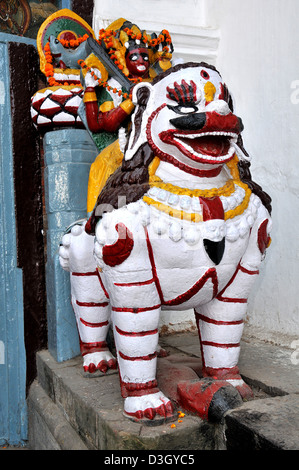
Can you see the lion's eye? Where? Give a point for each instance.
(183, 109)
(187, 110)
(185, 95)
(205, 74)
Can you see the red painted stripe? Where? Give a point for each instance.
(186, 87)
(87, 348)
(132, 284)
(129, 389)
(181, 92)
(136, 334)
(102, 285)
(153, 265)
(232, 300)
(135, 310)
(94, 325)
(244, 270)
(149, 357)
(194, 90)
(200, 342)
(94, 273)
(230, 281)
(173, 91)
(218, 322)
(209, 274)
(228, 299)
(91, 304)
(221, 345)
(223, 373)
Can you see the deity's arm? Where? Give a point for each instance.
(109, 121)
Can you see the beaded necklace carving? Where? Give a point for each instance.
(227, 190)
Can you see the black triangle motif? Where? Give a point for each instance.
(214, 250)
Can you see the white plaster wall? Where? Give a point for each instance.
(257, 56)
(184, 19)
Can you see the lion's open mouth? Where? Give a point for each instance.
(214, 144)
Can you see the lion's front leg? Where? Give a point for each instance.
(122, 254)
(89, 299)
(136, 339)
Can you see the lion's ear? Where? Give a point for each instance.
(140, 92)
(140, 97)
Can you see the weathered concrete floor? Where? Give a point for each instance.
(72, 410)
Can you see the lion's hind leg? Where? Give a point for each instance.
(136, 338)
(220, 325)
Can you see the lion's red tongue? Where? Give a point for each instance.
(209, 145)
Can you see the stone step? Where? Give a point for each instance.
(268, 424)
(90, 405)
(48, 427)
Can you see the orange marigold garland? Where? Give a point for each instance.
(163, 37)
(116, 52)
(73, 42)
(102, 83)
(49, 69)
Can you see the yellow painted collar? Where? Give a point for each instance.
(226, 190)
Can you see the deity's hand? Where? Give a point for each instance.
(90, 80)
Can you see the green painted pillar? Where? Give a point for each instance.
(68, 156)
(13, 408)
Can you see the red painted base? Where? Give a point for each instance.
(182, 379)
(209, 399)
(230, 374)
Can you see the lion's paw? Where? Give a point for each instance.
(76, 249)
(148, 407)
(101, 361)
